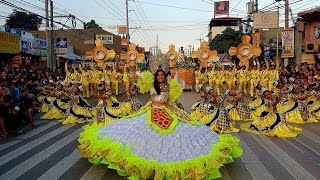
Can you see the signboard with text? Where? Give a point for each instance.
(122, 29)
(221, 8)
(9, 43)
(61, 47)
(107, 39)
(287, 43)
(265, 20)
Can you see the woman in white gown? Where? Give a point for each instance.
(160, 140)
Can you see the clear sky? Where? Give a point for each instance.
(179, 22)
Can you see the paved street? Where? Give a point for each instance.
(49, 152)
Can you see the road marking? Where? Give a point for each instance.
(95, 172)
(39, 157)
(294, 168)
(307, 146)
(313, 137)
(253, 163)
(28, 135)
(17, 152)
(224, 173)
(56, 171)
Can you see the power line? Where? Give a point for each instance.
(122, 20)
(145, 17)
(176, 7)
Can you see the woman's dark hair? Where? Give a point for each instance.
(156, 84)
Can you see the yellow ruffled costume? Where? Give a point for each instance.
(270, 123)
(79, 112)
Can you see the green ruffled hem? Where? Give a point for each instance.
(119, 157)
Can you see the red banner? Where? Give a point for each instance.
(221, 8)
(256, 39)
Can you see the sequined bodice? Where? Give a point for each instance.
(164, 96)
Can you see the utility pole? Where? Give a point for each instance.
(46, 2)
(190, 51)
(286, 5)
(127, 13)
(256, 6)
(53, 59)
(200, 39)
(157, 46)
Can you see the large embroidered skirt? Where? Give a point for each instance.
(160, 142)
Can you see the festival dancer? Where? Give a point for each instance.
(115, 80)
(238, 109)
(80, 110)
(107, 73)
(197, 75)
(219, 78)
(264, 74)
(160, 141)
(270, 122)
(85, 80)
(59, 106)
(211, 75)
(108, 107)
(135, 103)
(47, 100)
(203, 107)
(229, 77)
(70, 74)
(243, 79)
(313, 103)
(126, 78)
(273, 75)
(254, 78)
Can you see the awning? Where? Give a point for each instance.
(74, 57)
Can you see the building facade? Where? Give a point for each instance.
(83, 40)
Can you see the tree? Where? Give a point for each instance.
(222, 42)
(91, 24)
(23, 20)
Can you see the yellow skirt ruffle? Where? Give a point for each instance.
(77, 114)
(262, 126)
(54, 112)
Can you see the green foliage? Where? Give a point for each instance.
(23, 20)
(90, 25)
(222, 42)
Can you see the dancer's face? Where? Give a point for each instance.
(213, 93)
(161, 77)
(75, 90)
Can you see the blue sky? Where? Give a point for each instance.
(180, 26)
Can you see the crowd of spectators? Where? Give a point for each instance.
(19, 89)
(303, 74)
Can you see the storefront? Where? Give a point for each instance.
(33, 53)
(9, 48)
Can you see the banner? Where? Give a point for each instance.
(124, 41)
(122, 29)
(9, 43)
(287, 43)
(312, 33)
(221, 8)
(107, 39)
(61, 47)
(256, 39)
(265, 20)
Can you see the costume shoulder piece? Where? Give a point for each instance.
(175, 90)
(145, 81)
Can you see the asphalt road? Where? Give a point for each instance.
(49, 152)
